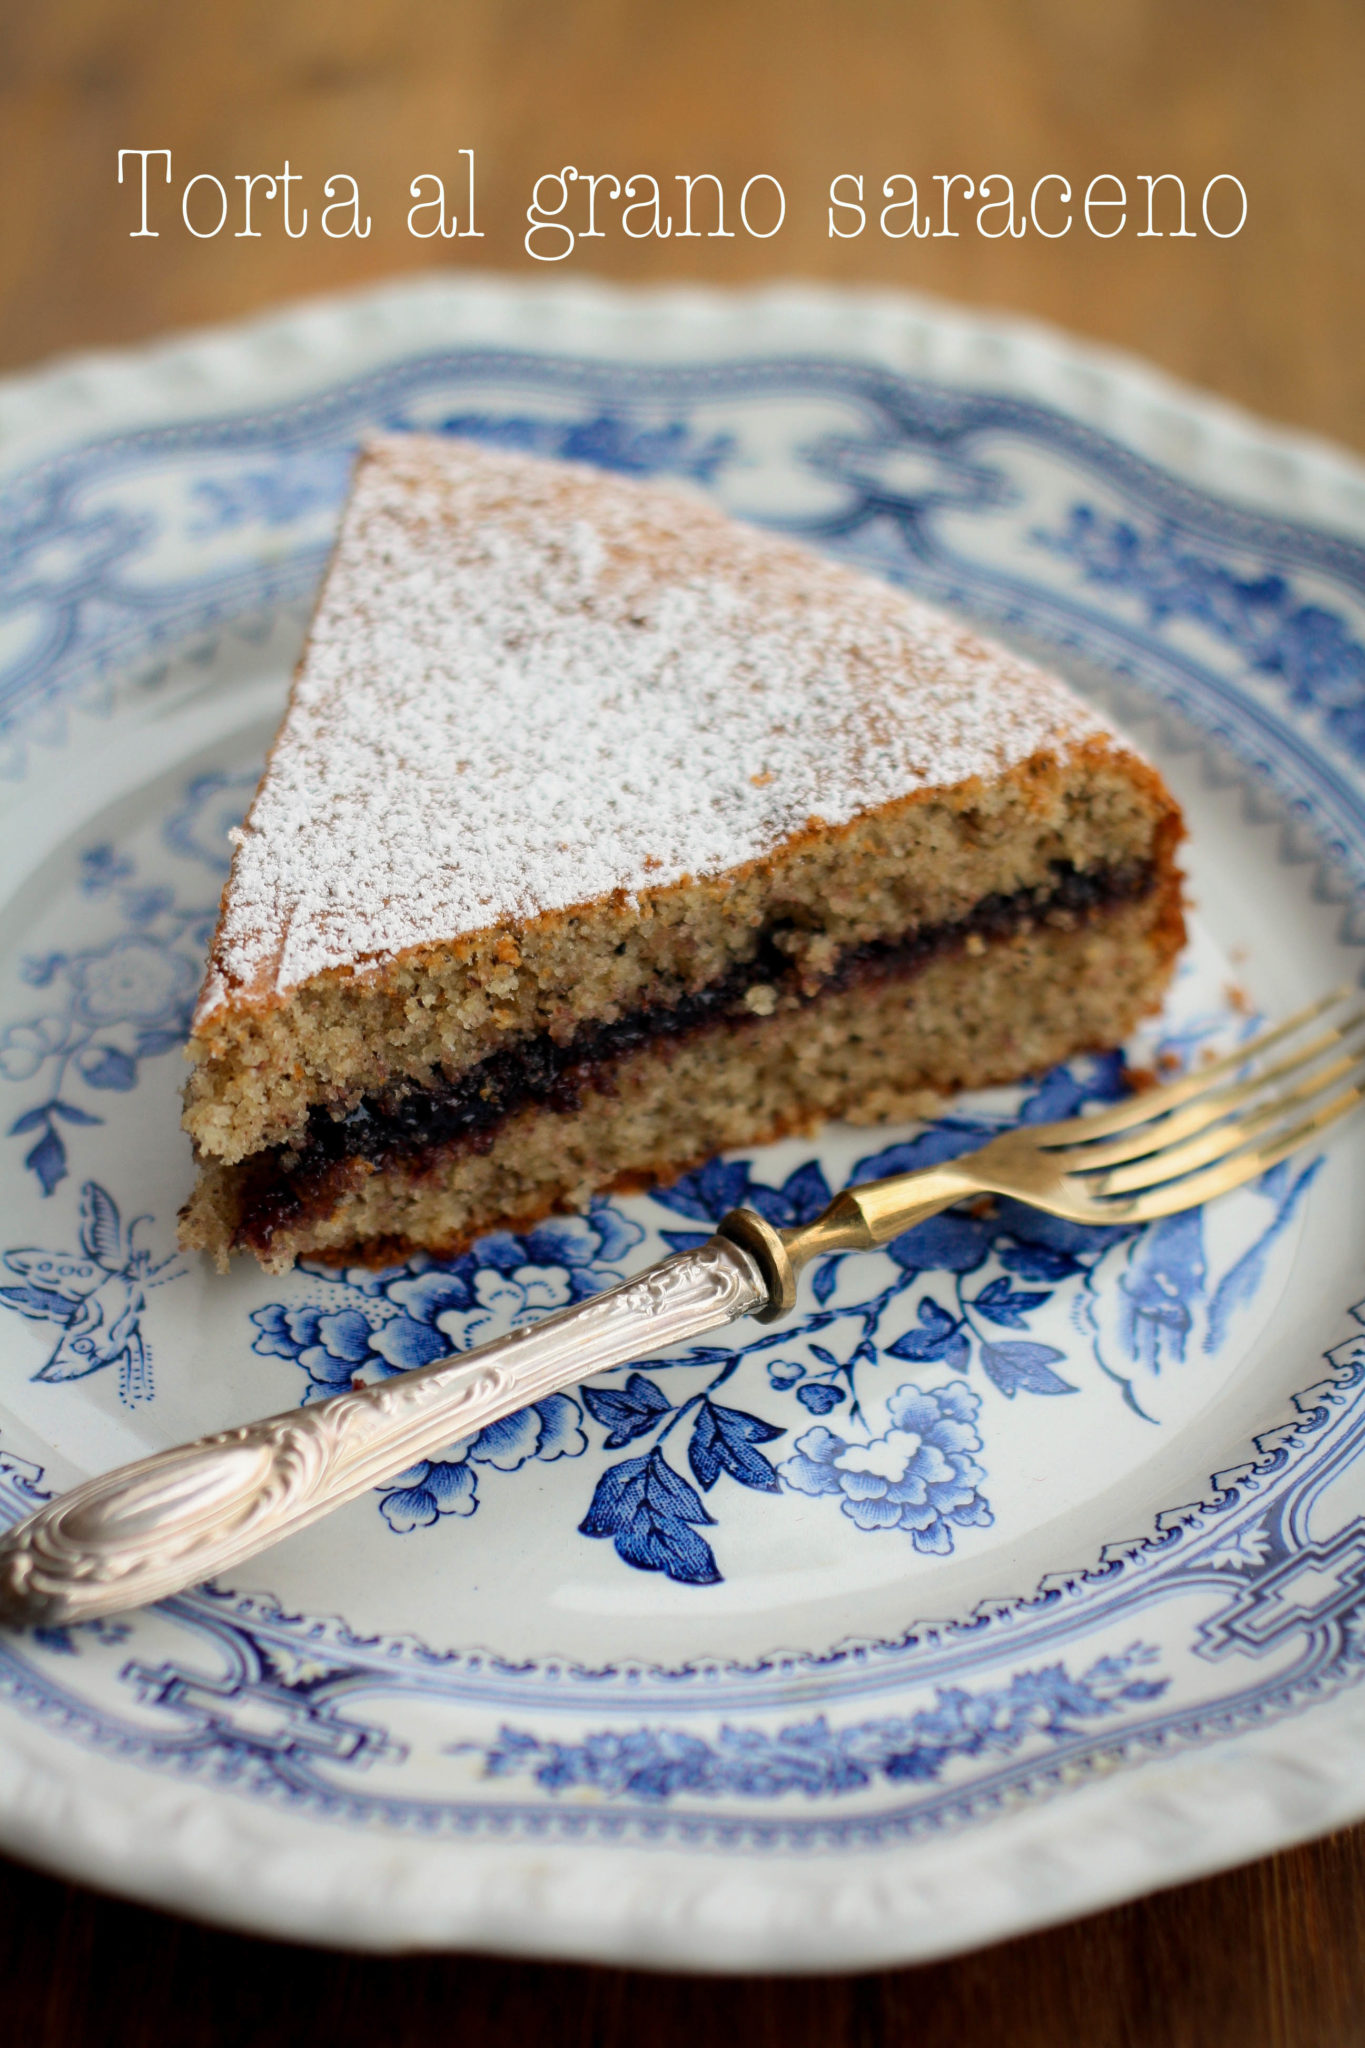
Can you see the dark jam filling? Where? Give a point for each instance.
(284, 1185)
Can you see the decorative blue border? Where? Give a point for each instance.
(95, 622)
(1288, 682)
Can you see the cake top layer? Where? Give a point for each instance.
(529, 685)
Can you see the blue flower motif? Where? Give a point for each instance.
(111, 1007)
(820, 1396)
(820, 1761)
(134, 980)
(724, 1184)
(410, 1315)
(330, 1345)
(449, 1485)
(1275, 630)
(211, 806)
(919, 1476)
(446, 1307)
(24, 1047)
(427, 1490)
(454, 1312)
(102, 869)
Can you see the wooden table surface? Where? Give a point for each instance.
(802, 90)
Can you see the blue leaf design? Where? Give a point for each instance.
(1026, 1368)
(48, 1160)
(932, 1339)
(69, 1113)
(150, 1043)
(1240, 1284)
(1037, 1261)
(805, 1193)
(1000, 1303)
(945, 1244)
(31, 1120)
(628, 1411)
(652, 1516)
(105, 1066)
(707, 1194)
(684, 1199)
(1064, 1092)
(685, 1240)
(1032, 1227)
(825, 1279)
(39, 971)
(946, 1140)
(723, 1440)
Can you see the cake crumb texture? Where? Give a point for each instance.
(868, 1055)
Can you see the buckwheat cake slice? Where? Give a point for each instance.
(603, 832)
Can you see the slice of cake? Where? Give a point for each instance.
(603, 833)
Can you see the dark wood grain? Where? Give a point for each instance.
(1268, 1957)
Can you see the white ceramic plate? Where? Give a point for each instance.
(1023, 1570)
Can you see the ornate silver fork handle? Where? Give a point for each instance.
(180, 1516)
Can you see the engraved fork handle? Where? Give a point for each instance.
(182, 1515)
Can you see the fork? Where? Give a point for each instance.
(179, 1516)
(1164, 1150)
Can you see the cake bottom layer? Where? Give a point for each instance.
(966, 1019)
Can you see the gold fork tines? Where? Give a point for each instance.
(1142, 1107)
(1168, 1149)
(1239, 1126)
(1232, 1124)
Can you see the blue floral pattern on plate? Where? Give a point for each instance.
(897, 1436)
(816, 1760)
(109, 1007)
(918, 1475)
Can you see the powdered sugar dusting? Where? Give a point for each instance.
(528, 685)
